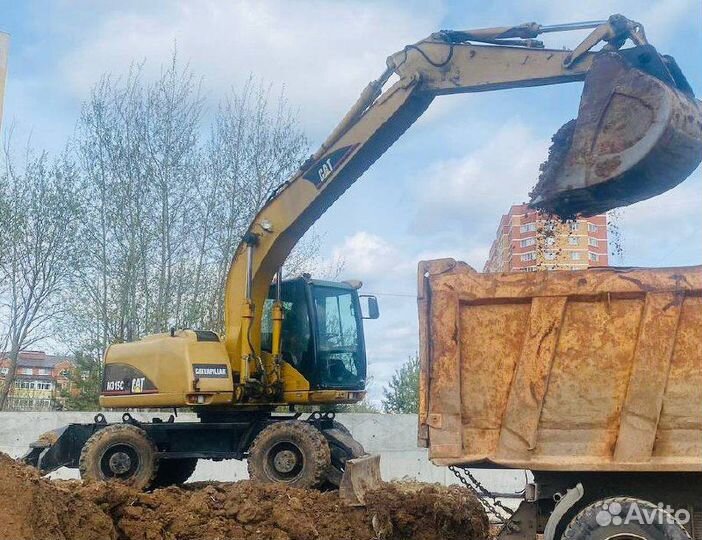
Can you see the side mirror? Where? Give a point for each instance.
(369, 306)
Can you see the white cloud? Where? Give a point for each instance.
(387, 270)
(474, 190)
(324, 52)
(366, 256)
(398, 340)
(389, 342)
(662, 231)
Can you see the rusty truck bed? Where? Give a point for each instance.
(596, 370)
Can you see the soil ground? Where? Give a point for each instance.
(33, 507)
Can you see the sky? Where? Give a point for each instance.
(438, 192)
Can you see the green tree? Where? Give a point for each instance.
(40, 217)
(402, 394)
(364, 406)
(83, 393)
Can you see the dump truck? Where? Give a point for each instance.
(591, 380)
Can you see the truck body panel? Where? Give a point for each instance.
(594, 370)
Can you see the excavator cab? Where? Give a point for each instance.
(322, 334)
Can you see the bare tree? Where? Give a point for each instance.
(167, 206)
(254, 146)
(41, 213)
(137, 233)
(137, 144)
(113, 235)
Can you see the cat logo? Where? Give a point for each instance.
(322, 169)
(138, 385)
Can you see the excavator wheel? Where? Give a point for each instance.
(173, 472)
(119, 452)
(343, 448)
(291, 452)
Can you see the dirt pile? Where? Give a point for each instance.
(223, 511)
(33, 507)
(426, 512)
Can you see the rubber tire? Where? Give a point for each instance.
(100, 441)
(341, 427)
(339, 456)
(174, 472)
(306, 438)
(584, 526)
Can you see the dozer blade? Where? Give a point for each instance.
(360, 476)
(638, 134)
(51, 450)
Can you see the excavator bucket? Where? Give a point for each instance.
(360, 476)
(638, 134)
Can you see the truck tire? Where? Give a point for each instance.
(290, 452)
(121, 452)
(606, 520)
(173, 472)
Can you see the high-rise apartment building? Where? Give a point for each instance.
(528, 240)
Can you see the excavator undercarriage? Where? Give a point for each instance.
(283, 448)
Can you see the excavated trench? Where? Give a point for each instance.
(33, 507)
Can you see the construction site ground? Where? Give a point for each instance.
(34, 507)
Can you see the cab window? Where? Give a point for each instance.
(339, 355)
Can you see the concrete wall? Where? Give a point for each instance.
(394, 437)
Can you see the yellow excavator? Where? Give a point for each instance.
(300, 342)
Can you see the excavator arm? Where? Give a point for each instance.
(452, 62)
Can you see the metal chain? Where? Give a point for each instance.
(488, 500)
